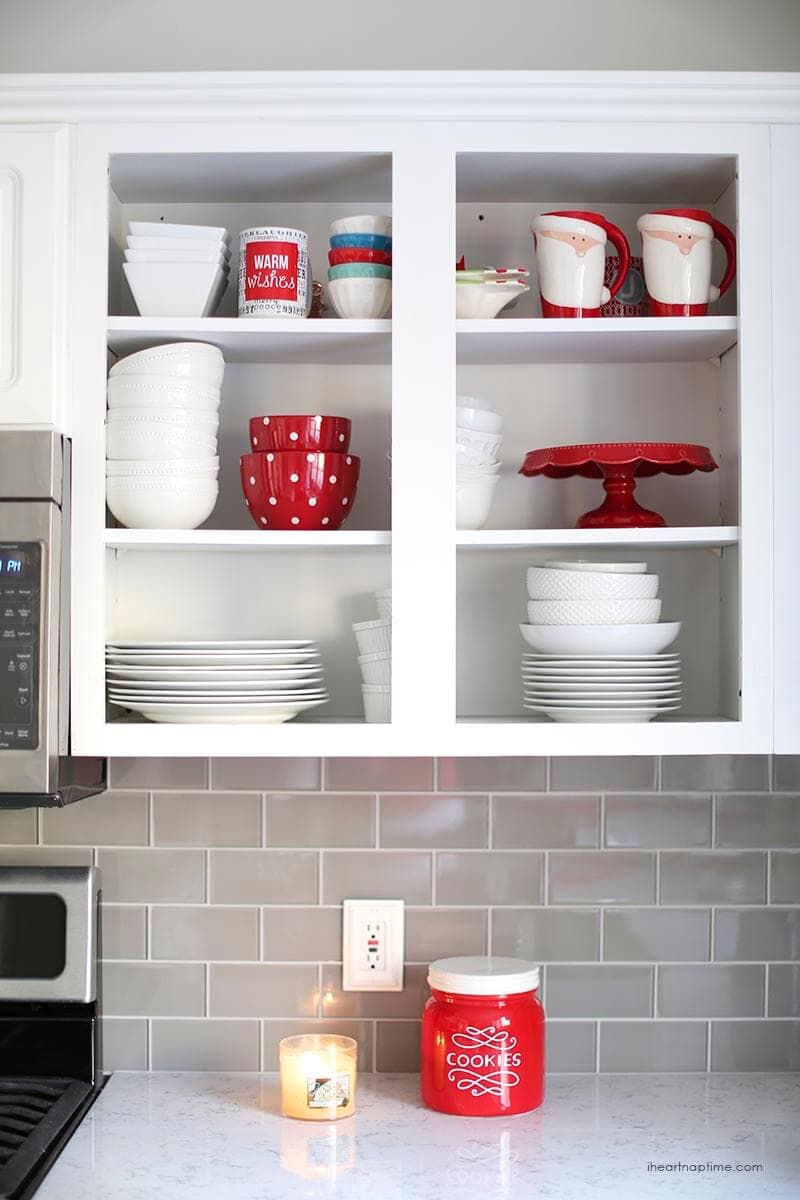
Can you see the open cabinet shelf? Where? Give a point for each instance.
(242, 539)
(597, 539)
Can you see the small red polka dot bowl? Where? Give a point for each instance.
(300, 432)
(299, 489)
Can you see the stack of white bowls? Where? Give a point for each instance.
(479, 436)
(176, 270)
(374, 640)
(599, 644)
(161, 436)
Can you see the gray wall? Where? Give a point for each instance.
(174, 35)
(662, 897)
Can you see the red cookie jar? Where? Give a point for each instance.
(483, 1038)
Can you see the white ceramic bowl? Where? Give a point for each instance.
(475, 402)
(601, 639)
(176, 289)
(197, 362)
(369, 223)
(153, 440)
(579, 564)
(383, 599)
(160, 392)
(546, 584)
(593, 612)
(474, 501)
(167, 229)
(482, 420)
(468, 471)
(206, 245)
(467, 457)
(177, 256)
(376, 668)
(360, 297)
(176, 468)
(372, 637)
(377, 703)
(166, 505)
(486, 300)
(485, 444)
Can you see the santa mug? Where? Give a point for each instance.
(571, 262)
(676, 248)
(274, 274)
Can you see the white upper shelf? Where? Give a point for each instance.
(595, 339)
(242, 539)
(666, 538)
(252, 339)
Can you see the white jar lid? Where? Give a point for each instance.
(480, 975)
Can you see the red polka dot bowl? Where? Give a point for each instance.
(294, 489)
(299, 432)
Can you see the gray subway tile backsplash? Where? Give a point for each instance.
(223, 883)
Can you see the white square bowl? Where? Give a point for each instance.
(175, 289)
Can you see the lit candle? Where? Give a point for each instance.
(318, 1077)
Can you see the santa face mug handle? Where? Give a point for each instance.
(571, 259)
(676, 250)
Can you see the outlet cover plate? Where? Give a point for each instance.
(386, 920)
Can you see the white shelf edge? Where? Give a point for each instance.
(675, 537)
(241, 539)
(248, 326)
(586, 326)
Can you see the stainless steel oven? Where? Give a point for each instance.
(35, 767)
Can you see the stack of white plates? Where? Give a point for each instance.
(599, 644)
(248, 682)
(176, 270)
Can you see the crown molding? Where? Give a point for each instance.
(403, 95)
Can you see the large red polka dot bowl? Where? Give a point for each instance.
(294, 489)
(300, 432)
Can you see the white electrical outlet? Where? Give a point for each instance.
(373, 944)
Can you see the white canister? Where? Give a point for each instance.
(274, 272)
(676, 249)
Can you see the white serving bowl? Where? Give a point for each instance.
(176, 468)
(485, 444)
(160, 392)
(475, 402)
(580, 564)
(482, 420)
(142, 439)
(166, 229)
(468, 471)
(486, 300)
(206, 245)
(466, 457)
(601, 639)
(377, 703)
(474, 501)
(168, 504)
(177, 256)
(360, 297)
(376, 668)
(546, 584)
(176, 289)
(372, 637)
(383, 599)
(197, 362)
(593, 612)
(369, 223)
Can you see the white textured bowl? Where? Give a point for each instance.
(383, 599)
(160, 392)
(156, 440)
(601, 639)
(546, 584)
(364, 223)
(360, 297)
(168, 505)
(466, 471)
(376, 668)
(476, 402)
(485, 300)
(166, 229)
(474, 501)
(580, 564)
(176, 289)
(377, 703)
(593, 612)
(373, 636)
(177, 468)
(482, 420)
(485, 445)
(196, 362)
(192, 420)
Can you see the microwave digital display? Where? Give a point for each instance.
(33, 928)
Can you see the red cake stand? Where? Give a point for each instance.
(618, 464)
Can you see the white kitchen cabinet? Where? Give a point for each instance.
(463, 164)
(34, 236)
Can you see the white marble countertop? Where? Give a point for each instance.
(198, 1137)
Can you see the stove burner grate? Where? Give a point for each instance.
(34, 1113)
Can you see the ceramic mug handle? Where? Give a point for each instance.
(620, 243)
(726, 237)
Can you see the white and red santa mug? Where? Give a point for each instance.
(274, 274)
(676, 249)
(571, 262)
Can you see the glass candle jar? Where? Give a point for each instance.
(318, 1077)
(483, 1038)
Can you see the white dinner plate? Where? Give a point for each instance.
(594, 703)
(226, 698)
(667, 672)
(597, 716)
(266, 658)
(190, 647)
(231, 714)
(593, 659)
(215, 685)
(600, 689)
(212, 674)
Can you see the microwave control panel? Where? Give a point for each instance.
(20, 600)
